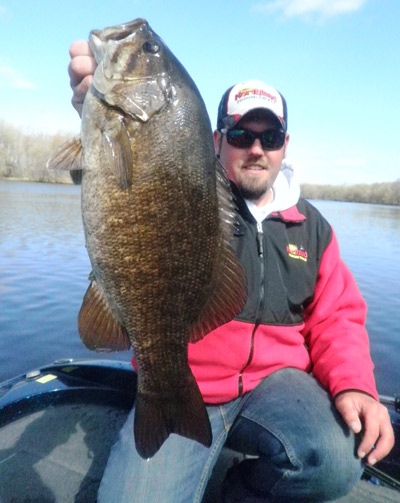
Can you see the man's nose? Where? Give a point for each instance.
(256, 148)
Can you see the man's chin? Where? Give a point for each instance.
(252, 193)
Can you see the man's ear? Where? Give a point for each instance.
(285, 145)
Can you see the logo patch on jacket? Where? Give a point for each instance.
(296, 252)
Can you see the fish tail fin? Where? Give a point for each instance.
(156, 418)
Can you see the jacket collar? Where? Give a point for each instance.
(290, 215)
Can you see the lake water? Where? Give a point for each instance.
(44, 269)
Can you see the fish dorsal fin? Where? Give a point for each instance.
(68, 157)
(228, 292)
(97, 325)
(118, 154)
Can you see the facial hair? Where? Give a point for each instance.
(252, 190)
(253, 194)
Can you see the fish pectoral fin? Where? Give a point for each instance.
(228, 290)
(157, 417)
(118, 154)
(97, 325)
(68, 157)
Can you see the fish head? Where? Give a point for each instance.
(134, 69)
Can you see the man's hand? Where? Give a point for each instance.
(362, 412)
(80, 69)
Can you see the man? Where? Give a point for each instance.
(290, 379)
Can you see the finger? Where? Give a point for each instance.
(369, 439)
(349, 414)
(79, 93)
(384, 444)
(381, 449)
(80, 48)
(372, 426)
(80, 67)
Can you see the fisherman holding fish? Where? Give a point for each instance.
(290, 378)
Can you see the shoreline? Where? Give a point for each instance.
(386, 193)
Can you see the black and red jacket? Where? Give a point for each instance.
(304, 310)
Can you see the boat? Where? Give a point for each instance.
(59, 422)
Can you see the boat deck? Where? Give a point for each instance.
(58, 454)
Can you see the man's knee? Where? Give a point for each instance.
(320, 473)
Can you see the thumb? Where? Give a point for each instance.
(349, 413)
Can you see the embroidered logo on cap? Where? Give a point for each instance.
(258, 93)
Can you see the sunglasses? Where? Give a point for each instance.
(270, 139)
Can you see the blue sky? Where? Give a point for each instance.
(337, 62)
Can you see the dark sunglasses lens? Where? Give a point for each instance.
(272, 139)
(240, 138)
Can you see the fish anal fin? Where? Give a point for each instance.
(228, 289)
(67, 157)
(156, 418)
(98, 328)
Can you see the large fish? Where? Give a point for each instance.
(158, 219)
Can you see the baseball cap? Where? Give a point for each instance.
(249, 96)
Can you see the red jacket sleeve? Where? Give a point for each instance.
(335, 328)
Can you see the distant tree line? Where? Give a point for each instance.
(375, 193)
(23, 156)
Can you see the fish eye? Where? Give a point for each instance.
(151, 47)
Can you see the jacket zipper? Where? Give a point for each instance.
(260, 249)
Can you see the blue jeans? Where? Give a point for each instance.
(305, 451)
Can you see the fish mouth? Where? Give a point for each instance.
(114, 35)
(118, 32)
(109, 43)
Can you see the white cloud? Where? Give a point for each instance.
(322, 8)
(9, 77)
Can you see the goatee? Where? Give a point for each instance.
(253, 193)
